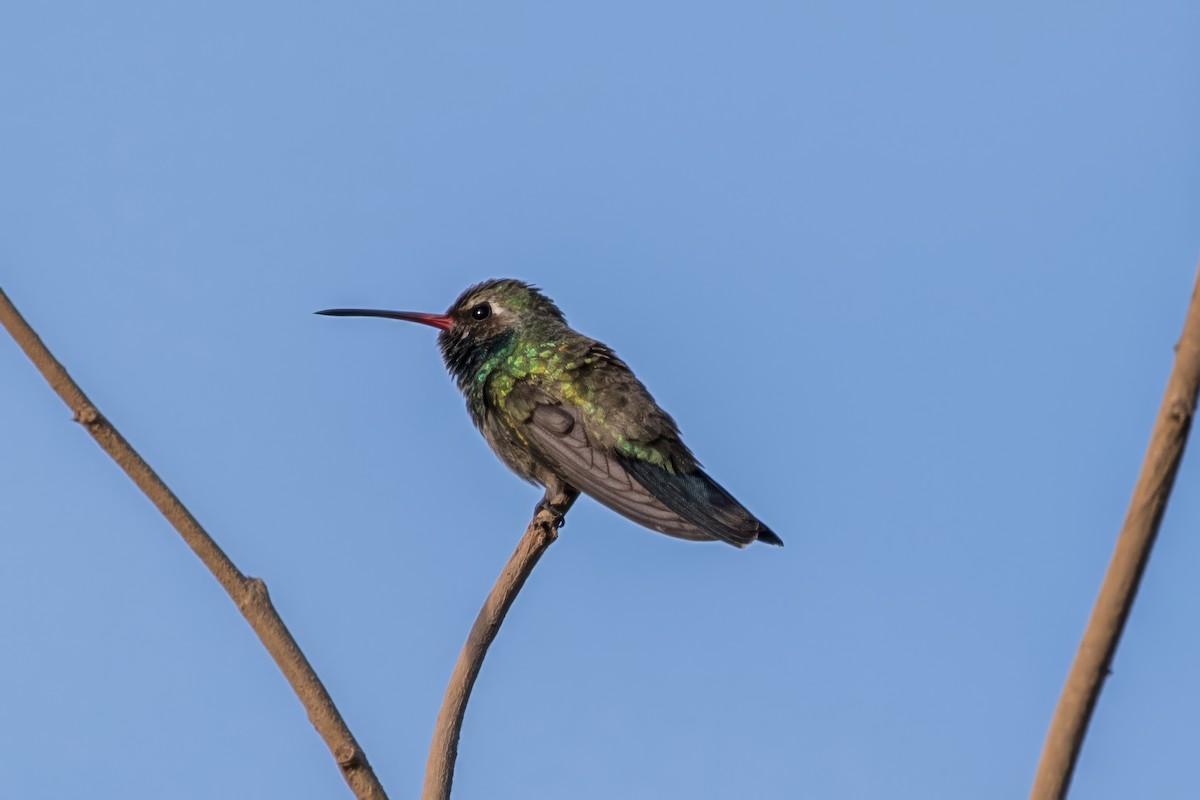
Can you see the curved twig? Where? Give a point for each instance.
(250, 594)
(439, 768)
(1103, 632)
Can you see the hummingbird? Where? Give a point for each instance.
(561, 410)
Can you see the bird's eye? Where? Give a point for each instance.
(481, 311)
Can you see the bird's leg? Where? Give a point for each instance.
(557, 500)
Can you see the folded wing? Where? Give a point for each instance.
(688, 506)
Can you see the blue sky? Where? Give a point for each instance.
(908, 276)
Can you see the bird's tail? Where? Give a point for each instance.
(703, 502)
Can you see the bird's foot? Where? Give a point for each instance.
(558, 513)
(558, 499)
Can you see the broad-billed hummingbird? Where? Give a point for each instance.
(562, 410)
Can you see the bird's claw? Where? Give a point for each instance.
(559, 520)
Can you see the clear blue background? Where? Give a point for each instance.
(908, 276)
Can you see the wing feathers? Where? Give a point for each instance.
(702, 501)
(567, 451)
(686, 505)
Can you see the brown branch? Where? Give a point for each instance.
(439, 768)
(1150, 495)
(250, 594)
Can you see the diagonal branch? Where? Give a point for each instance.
(439, 767)
(250, 594)
(1117, 592)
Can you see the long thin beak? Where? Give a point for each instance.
(443, 321)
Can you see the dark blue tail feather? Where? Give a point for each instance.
(703, 502)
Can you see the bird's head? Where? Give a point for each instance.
(484, 319)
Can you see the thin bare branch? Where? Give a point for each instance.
(1103, 633)
(250, 594)
(439, 768)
